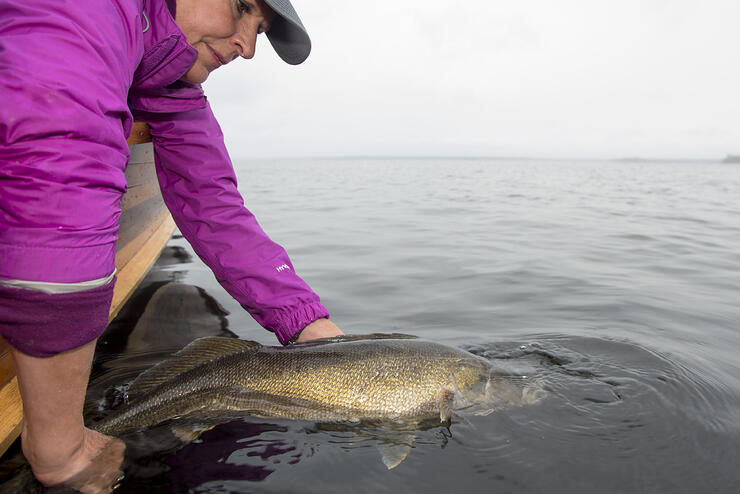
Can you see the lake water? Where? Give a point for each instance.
(616, 283)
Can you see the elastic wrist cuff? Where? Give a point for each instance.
(291, 323)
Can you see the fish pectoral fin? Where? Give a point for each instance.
(394, 452)
(445, 411)
(446, 399)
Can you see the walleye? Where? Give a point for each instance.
(353, 378)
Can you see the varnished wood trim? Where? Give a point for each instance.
(11, 418)
(7, 371)
(139, 133)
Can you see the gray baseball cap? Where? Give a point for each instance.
(287, 34)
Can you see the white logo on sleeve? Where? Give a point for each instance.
(282, 268)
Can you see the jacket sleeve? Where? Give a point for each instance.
(199, 188)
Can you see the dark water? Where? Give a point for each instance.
(616, 283)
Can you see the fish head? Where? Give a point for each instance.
(479, 388)
(469, 383)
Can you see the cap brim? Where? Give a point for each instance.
(287, 35)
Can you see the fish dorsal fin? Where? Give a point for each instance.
(359, 337)
(199, 352)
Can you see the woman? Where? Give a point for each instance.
(71, 75)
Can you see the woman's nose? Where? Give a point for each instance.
(245, 42)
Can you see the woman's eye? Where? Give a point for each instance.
(242, 7)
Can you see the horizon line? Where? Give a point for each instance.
(635, 159)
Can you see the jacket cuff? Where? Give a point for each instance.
(286, 323)
(43, 325)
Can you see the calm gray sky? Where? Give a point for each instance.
(572, 78)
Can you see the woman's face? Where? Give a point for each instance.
(221, 30)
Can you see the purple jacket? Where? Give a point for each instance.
(68, 72)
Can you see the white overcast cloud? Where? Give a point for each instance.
(572, 78)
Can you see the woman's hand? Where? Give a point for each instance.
(320, 328)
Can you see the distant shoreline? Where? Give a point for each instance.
(477, 158)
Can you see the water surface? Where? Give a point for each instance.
(616, 283)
